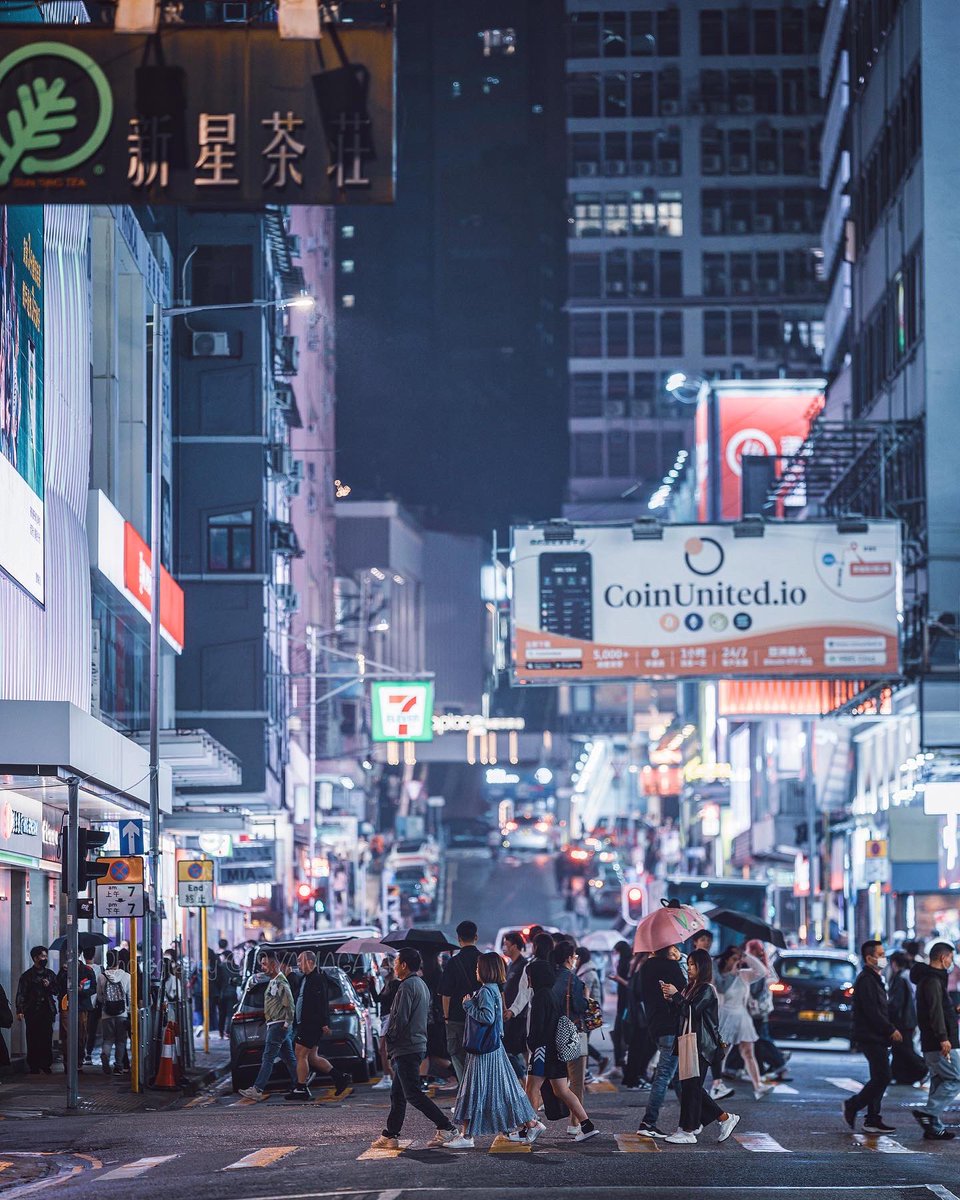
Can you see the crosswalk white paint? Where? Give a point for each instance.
(140, 1167)
(845, 1085)
(261, 1158)
(784, 1089)
(760, 1143)
(885, 1145)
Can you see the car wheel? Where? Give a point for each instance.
(360, 1071)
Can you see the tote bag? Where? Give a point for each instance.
(687, 1050)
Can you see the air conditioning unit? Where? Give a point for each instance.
(288, 354)
(641, 408)
(711, 164)
(615, 166)
(712, 220)
(288, 597)
(771, 286)
(210, 345)
(616, 287)
(669, 108)
(793, 227)
(743, 286)
(766, 166)
(743, 104)
(763, 223)
(614, 408)
(669, 166)
(295, 469)
(738, 227)
(293, 241)
(641, 167)
(586, 168)
(739, 163)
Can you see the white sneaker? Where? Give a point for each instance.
(533, 1132)
(763, 1090)
(727, 1127)
(573, 1130)
(458, 1142)
(682, 1138)
(382, 1085)
(720, 1090)
(252, 1093)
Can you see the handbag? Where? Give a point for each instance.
(593, 1017)
(568, 1035)
(688, 1051)
(479, 1038)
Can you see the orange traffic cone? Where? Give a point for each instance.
(167, 1074)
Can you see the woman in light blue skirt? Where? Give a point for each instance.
(491, 1099)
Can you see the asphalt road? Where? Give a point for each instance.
(496, 892)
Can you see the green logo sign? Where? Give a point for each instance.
(46, 112)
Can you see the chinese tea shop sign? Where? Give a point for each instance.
(205, 117)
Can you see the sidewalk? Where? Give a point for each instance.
(23, 1096)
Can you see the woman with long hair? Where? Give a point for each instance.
(698, 1014)
(491, 1099)
(640, 1045)
(737, 970)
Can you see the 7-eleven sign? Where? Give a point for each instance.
(403, 712)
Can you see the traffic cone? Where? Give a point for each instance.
(167, 1074)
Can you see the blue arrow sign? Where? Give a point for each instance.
(131, 837)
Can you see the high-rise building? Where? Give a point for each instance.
(693, 141)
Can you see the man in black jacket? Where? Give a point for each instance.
(312, 1025)
(873, 1032)
(515, 1029)
(939, 1040)
(459, 979)
(662, 967)
(36, 1005)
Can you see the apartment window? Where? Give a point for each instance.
(671, 274)
(583, 94)
(644, 388)
(768, 272)
(741, 274)
(587, 216)
(641, 93)
(740, 152)
(348, 231)
(584, 154)
(794, 151)
(583, 35)
(741, 332)
(711, 32)
(618, 338)
(642, 273)
(668, 91)
(738, 30)
(230, 541)
(616, 216)
(769, 334)
(643, 213)
(671, 334)
(616, 274)
(618, 386)
(791, 31)
(587, 454)
(584, 276)
(669, 153)
(347, 266)
(715, 331)
(221, 274)
(613, 35)
(766, 152)
(641, 152)
(670, 214)
(890, 160)
(615, 154)
(586, 394)
(714, 274)
(586, 335)
(646, 459)
(644, 334)
(618, 453)
(668, 32)
(711, 151)
(614, 94)
(765, 31)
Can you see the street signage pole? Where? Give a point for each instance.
(134, 1011)
(73, 942)
(205, 976)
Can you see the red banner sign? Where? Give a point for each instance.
(138, 580)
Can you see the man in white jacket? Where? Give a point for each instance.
(113, 996)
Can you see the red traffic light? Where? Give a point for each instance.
(635, 894)
(304, 891)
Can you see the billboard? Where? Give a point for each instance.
(768, 417)
(802, 601)
(402, 712)
(214, 118)
(21, 396)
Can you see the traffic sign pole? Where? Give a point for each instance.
(72, 1065)
(205, 976)
(134, 1011)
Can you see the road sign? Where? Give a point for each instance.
(195, 883)
(876, 862)
(85, 910)
(131, 837)
(120, 891)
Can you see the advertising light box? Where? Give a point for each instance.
(802, 601)
(402, 712)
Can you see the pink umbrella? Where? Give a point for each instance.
(674, 922)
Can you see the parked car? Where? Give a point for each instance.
(325, 943)
(526, 833)
(411, 852)
(812, 994)
(351, 1045)
(605, 889)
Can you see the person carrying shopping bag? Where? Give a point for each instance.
(491, 1099)
(697, 1046)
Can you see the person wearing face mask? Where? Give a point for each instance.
(939, 1040)
(36, 1005)
(873, 1032)
(662, 1023)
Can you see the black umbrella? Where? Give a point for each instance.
(750, 927)
(431, 940)
(85, 941)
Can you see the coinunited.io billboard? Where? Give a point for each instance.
(803, 600)
(21, 396)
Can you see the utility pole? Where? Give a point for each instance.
(810, 796)
(73, 942)
(312, 751)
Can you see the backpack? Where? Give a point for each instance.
(114, 999)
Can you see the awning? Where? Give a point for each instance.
(196, 759)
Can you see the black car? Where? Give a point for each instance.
(812, 994)
(351, 1045)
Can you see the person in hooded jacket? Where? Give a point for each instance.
(906, 1064)
(113, 996)
(589, 976)
(939, 1039)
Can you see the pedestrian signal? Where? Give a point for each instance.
(633, 902)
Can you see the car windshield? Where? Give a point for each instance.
(408, 847)
(836, 970)
(410, 874)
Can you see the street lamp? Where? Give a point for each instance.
(302, 301)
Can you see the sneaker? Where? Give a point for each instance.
(458, 1142)
(382, 1085)
(728, 1126)
(341, 1081)
(309, 1079)
(648, 1129)
(922, 1085)
(633, 1087)
(924, 1118)
(587, 1130)
(589, 1077)
(385, 1142)
(878, 1125)
(299, 1093)
(849, 1113)
(763, 1090)
(252, 1093)
(532, 1132)
(938, 1133)
(720, 1090)
(786, 1055)
(682, 1138)
(118, 1070)
(573, 1130)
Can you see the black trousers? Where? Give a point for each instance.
(696, 1107)
(39, 1040)
(93, 1024)
(406, 1090)
(640, 1050)
(870, 1095)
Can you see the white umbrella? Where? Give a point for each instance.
(602, 939)
(365, 945)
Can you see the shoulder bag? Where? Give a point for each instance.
(568, 1035)
(479, 1038)
(688, 1051)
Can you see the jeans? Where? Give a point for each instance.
(944, 1082)
(279, 1044)
(406, 1090)
(696, 1105)
(114, 1030)
(665, 1075)
(455, 1047)
(870, 1095)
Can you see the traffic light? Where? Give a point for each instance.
(633, 902)
(311, 900)
(90, 841)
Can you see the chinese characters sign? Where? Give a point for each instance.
(231, 117)
(195, 883)
(402, 712)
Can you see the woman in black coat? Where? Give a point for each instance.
(699, 1014)
(906, 1064)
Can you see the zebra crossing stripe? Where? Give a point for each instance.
(503, 1145)
(760, 1143)
(601, 1085)
(140, 1167)
(845, 1085)
(371, 1155)
(261, 1158)
(784, 1089)
(885, 1145)
(630, 1143)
